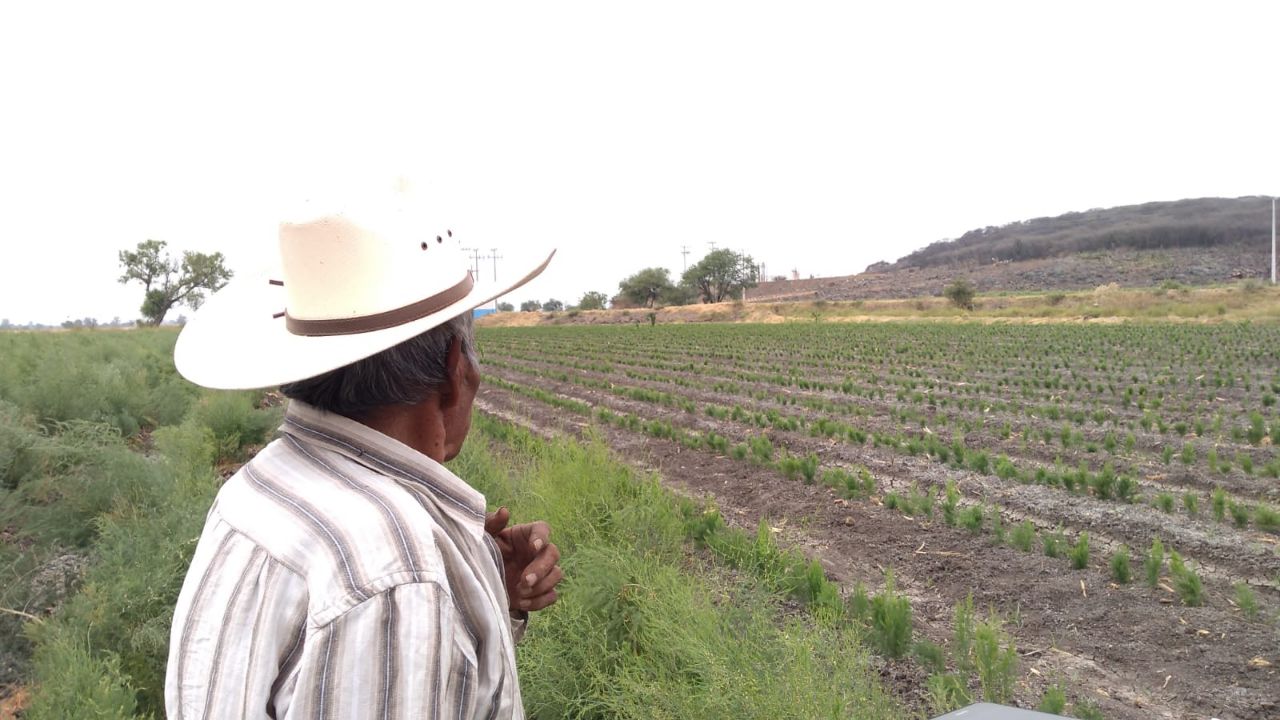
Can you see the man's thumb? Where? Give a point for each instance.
(495, 521)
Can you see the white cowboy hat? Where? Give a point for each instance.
(350, 285)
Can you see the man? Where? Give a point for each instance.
(344, 572)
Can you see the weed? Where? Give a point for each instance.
(1164, 501)
(1120, 571)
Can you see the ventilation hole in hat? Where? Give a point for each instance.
(450, 232)
(424, 244)
(439, 239)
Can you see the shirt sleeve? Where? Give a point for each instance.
(402, 653)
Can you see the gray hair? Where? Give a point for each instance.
(404, 374)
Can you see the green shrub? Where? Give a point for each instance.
(1186, 581)
(1164, 501)
(962, 629)
(234, 421)
(1120, 571)
(950, 503)
(1239, 513)
(947, 692)
(84, 684)
(1191, 503)
(1079, 552)
(996, 661)
(1266, 518)
(1154, 562)
(1023, 536)
(971, 518)
(1246, 600)
(961, 294)
(1218, 500)
(1053, 543)
(891, 620)
(761, 449)
(1054, 700)
(931, 656)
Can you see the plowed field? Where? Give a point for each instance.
(971, 459)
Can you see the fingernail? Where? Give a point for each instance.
(530, 579)
(537, 543)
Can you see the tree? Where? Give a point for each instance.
(552, 305)
(646, 287)
(530, 306)
(721, 275)
(168, 282)
(593, 300)
(505, 307)
(960, 293)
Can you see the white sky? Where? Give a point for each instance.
(816, 136)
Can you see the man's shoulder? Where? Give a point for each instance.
(349, 531)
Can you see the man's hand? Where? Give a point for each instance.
(529, 560)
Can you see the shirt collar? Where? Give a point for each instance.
(383, 454)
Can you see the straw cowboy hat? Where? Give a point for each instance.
(350, 284)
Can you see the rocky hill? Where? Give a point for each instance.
(1191, 242)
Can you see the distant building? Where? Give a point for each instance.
(481, 312)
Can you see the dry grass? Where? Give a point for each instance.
(1108, 303)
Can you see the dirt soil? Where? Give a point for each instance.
(1134, 651)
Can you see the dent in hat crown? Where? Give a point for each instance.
(365, 260)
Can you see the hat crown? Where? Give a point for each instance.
(339, 267)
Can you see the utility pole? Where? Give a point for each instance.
(713, 246)
(495, 257)
(684, 250)
(475, 259)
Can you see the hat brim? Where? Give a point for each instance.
(238, 340)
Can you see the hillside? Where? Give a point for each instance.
(1193, 242)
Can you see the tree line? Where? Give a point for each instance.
(719, 276)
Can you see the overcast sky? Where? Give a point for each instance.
(819, 137)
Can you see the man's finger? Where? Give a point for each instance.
(536, 535)
(540, 566)
(545, 585)
(539, 602)
(495, 521)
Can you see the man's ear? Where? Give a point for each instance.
(456, 372)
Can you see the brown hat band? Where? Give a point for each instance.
(382, 320)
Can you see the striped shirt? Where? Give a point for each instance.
(342, 574)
